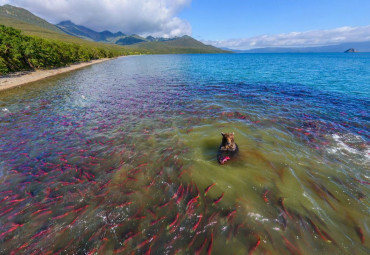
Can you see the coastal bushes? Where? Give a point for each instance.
(20, 52)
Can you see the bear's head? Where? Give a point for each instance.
(227, 139)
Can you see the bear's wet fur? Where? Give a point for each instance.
(227, 149)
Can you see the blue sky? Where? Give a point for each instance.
(235, 24)
(226, 19)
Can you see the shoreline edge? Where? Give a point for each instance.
(18, 79)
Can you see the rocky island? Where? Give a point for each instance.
(351, 50)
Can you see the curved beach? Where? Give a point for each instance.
(22, 78)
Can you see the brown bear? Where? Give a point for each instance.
(227, 149)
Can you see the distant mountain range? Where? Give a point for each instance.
(68, 31)
(357, 46)
(106, 36)
(83, 32)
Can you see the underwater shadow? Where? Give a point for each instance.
(210, 148)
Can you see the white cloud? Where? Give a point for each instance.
(298, 39)
(155, 17)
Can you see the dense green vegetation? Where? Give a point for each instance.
(21, 52)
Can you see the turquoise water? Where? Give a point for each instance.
(120, 157)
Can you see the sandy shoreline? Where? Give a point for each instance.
(22, 78)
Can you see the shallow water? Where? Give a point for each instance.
(120, 157)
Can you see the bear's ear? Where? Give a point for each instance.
(233, 133)
(222, 134)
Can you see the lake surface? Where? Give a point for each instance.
(120, 157)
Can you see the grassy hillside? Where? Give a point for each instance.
(22, 15)
(32, 25)
(185, 44)
(129, 40)
(33, 30)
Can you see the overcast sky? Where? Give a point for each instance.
(237, 24)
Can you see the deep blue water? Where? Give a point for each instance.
(117, 157)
